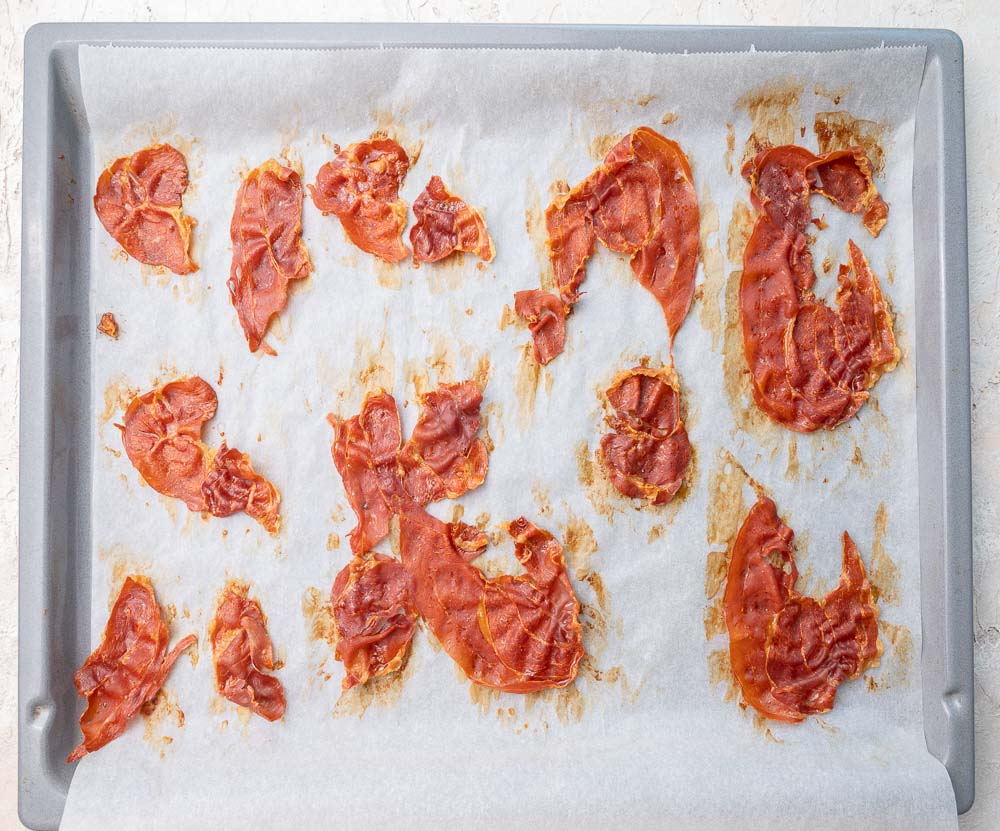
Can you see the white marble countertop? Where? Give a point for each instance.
(976, 21)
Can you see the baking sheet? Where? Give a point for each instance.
(474, 135)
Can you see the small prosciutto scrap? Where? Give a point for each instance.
(640, 202)
(127, 669)
(374, 617)
(108, 326)
(361, 187)
(790, 652)
(811, 366)
(446, 224)
(268, 251)
(162, 438)
(138, 201)
(442, 459)
(648, 453)
(518, 633)
(243, 655)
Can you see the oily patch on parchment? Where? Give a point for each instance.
(159, 714)
(736, 383)
(838, 130)
(714, 281)
(534, 224)
(897, 641)
(884, 573)
(320, 630)
(775, 115)
(527, 377)
(379, 692)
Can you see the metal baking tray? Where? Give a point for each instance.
(56, 332)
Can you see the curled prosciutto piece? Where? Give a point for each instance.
(366, 454)
(232, 485)
(640, 202)
(513, 633)
(446, 224)
(374, 617)
(243, 655)
(545, 314)
(790, 652)
(811, 366)
(162, 438)
(138, 201)
(127, 669)
(648, 453)
(442, 459)
(361, 187)
(268, 251)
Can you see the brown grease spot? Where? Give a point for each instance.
(541, 498)
(526, 383)
(792, 470)
(730, 147)
(579, 545)
(884, 572)
(714, 282)
(382, 691)
(775, 114)
(601, 145)
(720, 671)
(161, 709)
(332, 542)
(839, 130)
(668, 118)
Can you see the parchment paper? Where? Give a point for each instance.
(649, 736)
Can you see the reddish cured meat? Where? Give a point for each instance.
(513, 633)
(545, 314)
(366, 454)
(641, 202)
(790, 652)
(443, 458)
(446, 224)
(138, 201)
(648, 453)
(811, 366)
(361, 187)
(127, 669)
(374, 617)
(162, 438)
(243, 656)
(268, 251)
(232, 485)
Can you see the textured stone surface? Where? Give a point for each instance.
(977, 21)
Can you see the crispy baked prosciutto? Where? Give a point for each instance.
(232, 485)
(811, 365)
(790, 652)
(446, 224)
(268, 251)
(648, 453)
(640, 202)
(162, 438)
(442, 459)
(361, 187)
(513, 633)
(127, 669)
(138, 201)
(374, 617)
(242, 654)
